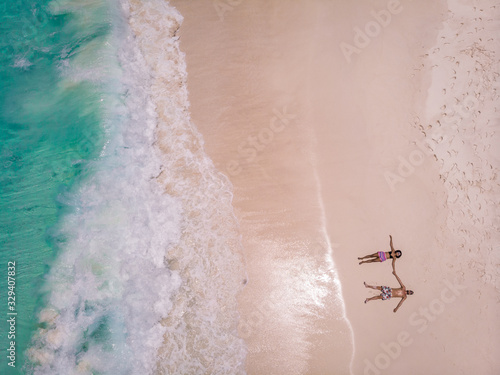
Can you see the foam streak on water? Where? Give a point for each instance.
(147, 273)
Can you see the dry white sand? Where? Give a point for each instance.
(323, 115)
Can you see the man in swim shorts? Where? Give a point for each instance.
(388, 293)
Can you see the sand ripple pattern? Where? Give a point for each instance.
(463, 131)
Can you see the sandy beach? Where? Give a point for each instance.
(338, 124)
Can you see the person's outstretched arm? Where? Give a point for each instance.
(399, 304)
(393, 252)
(397, 277)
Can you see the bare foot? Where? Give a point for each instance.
(366, 300)
(364, 282)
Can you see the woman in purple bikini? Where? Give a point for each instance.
(382, 256)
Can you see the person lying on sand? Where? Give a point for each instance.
(388, 293)
(381, 256)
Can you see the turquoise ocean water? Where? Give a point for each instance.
(50, 131)
(84, 213)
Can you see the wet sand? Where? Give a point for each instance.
(315, 111)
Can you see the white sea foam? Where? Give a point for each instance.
(148, 268)
(201, 328)
(22, 63)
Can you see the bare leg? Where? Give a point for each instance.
(370, 261)
(373, 298)
(374, 255)
(372, 287)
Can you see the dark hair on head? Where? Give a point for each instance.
(399, 253)
(409, 292)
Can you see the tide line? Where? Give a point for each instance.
(329, 258)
